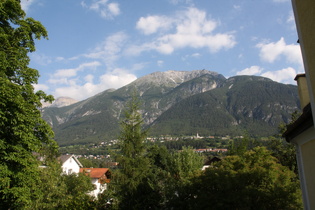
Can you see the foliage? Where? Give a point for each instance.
(284, 152)
(279, 148)
(77, 188)
(171, 171)
(134, 165)
(185, 163)
(252, 181)
(240, 145)
(95, 163)
(52, 188)
(22, 130)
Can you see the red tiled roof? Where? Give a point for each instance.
(94, 172)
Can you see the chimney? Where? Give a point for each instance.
(303, 90)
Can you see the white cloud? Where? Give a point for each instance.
(114, 9)
(114, 79)
(65, 73)
(286, 75)
(25, 4)
(40, 59)
(70, 76)
(175, 2)
(110, 49)
(291, 18)
(196, 55)
(160, 63)
(58, 59)
(44, 60)
(189, 29)
(253, 70)
(291, 21)
(152, 24)
(270, 52)
(42, 87)
(237, 7)
(89, 78)
(103, 8)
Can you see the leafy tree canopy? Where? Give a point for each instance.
(254, 180)
(22, 130)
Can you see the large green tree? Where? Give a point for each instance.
(22, 130)
(254, 180)
(133, 162)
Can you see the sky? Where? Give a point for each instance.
(94, 45)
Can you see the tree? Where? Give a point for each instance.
(241, 145)
(52, 188)
(77, 188)
(186, 163)
(254, 180)
(285, 152)
(134, 165)
(22, 130)
(185, 166)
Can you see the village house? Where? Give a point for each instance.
(99, 177)
(210, 162)
(70, 164)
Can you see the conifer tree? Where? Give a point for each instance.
(133, 162)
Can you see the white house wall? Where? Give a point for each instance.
(99, 188)
(70, 166)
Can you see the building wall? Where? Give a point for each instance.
(305, 144)
(308, 157)
(70, 166)
(99, 188)
(304, 12)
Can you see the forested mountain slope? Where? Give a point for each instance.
(243, 104)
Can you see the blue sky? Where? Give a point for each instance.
(95, 45)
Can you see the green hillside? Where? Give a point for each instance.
(253, 104)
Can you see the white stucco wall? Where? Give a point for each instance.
(70, 166)
(99, 187)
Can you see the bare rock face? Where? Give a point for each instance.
(171, 78)
(60, 102)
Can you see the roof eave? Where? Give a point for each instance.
(304, 122)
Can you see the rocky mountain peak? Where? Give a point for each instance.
(171, 78)
(60, 102)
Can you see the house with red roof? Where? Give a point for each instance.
(99, 177)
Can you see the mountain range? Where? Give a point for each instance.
(180, 103)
